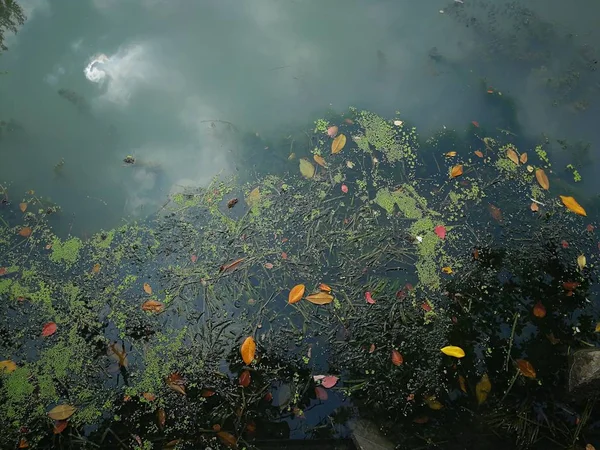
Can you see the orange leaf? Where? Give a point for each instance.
(147, 289)
(176, 382)
(49, 329)
(228, 439)
(23, 443)
(523, 158)
(456, 171)
(512, 155)
(245, 378)
(25, 232)
(539, 310)
(23, 207)
(450, 154)
(320, 160)
(153, 305)
(248, 350)
(323, 287)
(59, 426)
(296, 293)
(162, 418)
(534, 207)
(573, 206)
(542, 179)
(207, 393)
(149, 396)
(231, 266)
(397, 358)
(479, 153)
(320, 298)
(96, 268)
(495, 212)
(526, 368)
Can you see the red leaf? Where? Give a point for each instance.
(590, 228)
(2, 271)
(370, 299)
(284, 255)
(400, 295)
(426, 306)
(372, 348)
(49, 329)
(564, 244)
(59, 426)
(397, 358)
(329, 381)
(344, 189)
(408, 287)
(539, 310)
(207, 393)
(245, 378)
(231, 266)
(475, 123)
(321, 393)
(440, 230)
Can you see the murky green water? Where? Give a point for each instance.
(186, 93)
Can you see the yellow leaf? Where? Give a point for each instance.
(456, 171)
(320, 298)
(23, 207)
(61, 412)
(338, 144)
(292, 156)
(452, 350)
(529, 169)
(296, 293)
(433, 403)
(523, 158)
(482, 389)
(320, 160)
(447, 270)
(512, 155)
(147, 289)
(253, 197)
(526, 368)
(597, 330)
(462, 383)
(450, 154)
(306, 168)
(581, 261)
(542, 179)
(7, 366)
(248, 350)
(572, 205)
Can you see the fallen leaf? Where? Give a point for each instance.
(230, 267)
(495, 212)
(332, 131)
(320, 298)
(456, 171)
(475, 123)
(372, 348)
(534, 207)
(344, 188)
(227, 439)
(176, 382)
(426, 306)
(482, 389)
(269, 265)
(596, 330)
(440, 230)
(526, 368)
(398, 123)
(61, 412)
(296, 293)
(248, 350)
(542, 179)
(3, 271)
(349, 121)
(321, 393)
(589, 447)
(447, 270)
(433, 402)
(117, 352)
(253, 197)
(49, 329)
(147, 289)
(320, 160)
(523, 158)
(421, 420)
(512, 155)
(96, 268)
(59, 426)
(161, 417)
(338, 144)
(149, 396)
(564, 244)
(397, 358)
(153, 305)
(553, 340)
(23, 443)
(529, 168)
(306, 168)
(244, 379)
(23, 207)
(581, 261)
(539, 310)
(479, 153)
(284, 255)
(25, 232)
(450, 154)
(452, 350)
(325, 288)
(369, 298)
(570, 285)
(329, 381)
(231, 203)
(7, 366)
(590, 228)
(462, 383)
(207, 393)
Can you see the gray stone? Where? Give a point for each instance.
(366, 436)
(584, 374)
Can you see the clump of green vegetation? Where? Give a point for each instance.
(576, 175)
(66, 251)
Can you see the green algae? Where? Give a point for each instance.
(66, 251)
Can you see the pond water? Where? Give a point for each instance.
(169, 173)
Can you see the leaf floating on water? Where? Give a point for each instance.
(59, 426)
(462, 383)
(512, 155)
(117, 352)
(7, 366)
(479, 153)
(320, 160)
(450, 154)
(245, 378)
(306, 168)
(96, 268)
(397, 358)
(61, 412)
(542, 179)
(483, 388)
(338, 144)
(539, 310)
(320, 298)
(231, 266)
(526, 368)
(581, 261)
(495, 212)
(369, 298)
(433, 402)
(147, 289)
(475, 123)
(153, 305)
(447, 270)
(227, 439)
(25, 232)
(149, 396)
(248, 350)
(456, 171)
(325, 288)
(344, 188)
(296, 293)
(534, 207)
(23, 207)
(176, 382)
(452, 350)
(321, 393)
(161, 417)
(231, 203)
(529, 169)
(332, 131)
(572, 205)
(253, 197)
(49, 329)
(329, 381)
(269, 265)
(523, 158)
(440, 231)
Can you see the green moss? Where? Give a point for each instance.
(542, 154)
(321, 126)
(67, 251)
(379, 134)
(403, 199)
(103, 240)
(338, 177)
(18, 390)
(506, 166)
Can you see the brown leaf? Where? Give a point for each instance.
(462, 383)
(320, 298)
(338, 144)
(534, 207)
(96, 268)
(161, 416)
(397, 358)
(542, 179)
(23, 443)
(7, 366)
(176, 382)
(153, 305)
(325, 288)
(61, 412)
(495, 212)
(23, 207)
(231, 203)
(227, 439)
(207, 393)
(512, 155)
(49, 329)
(147, 289)
(479, 153)
(572, 205)
(117, 352)
(248, 350)
(450, 154)
(539, 310)
(523, 158)
(231, 266)
(456, 171)
(59, 426)
(526, 368)
(245, 379)
(149, 396)
(296, 293)
(25, 232)
(320, 160)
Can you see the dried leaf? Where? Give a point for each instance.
(523, 158)
(440, 231)
(573, 206)
(325, 288)
(369, 298)
(452, 350)
(539, 310)
(512, 155)
(61, 412)
(306, 168)
(398, 123)
(23, 443)
(161, 417)
(231, 203)
(321, 393)
(147, 289)
(447, 270)
(596, 330)
(332, 131)
(526, 368)
(253, 197)
(433, 402)
(529, 168)
(7, 366)
(320, 298)
(117, 352)
(49, 329)
(581, 262)
(542, 179)
(483, 388)
(96, 268)
(534, 207)
(207, 393)
(338, 144)
(176, 382)
(248, 350)
(397, 358)
(149, 396)
(230, 267)
(245, 378)
(153, 305)
(475, 123)
(23, 207)
(320, 160)
(227, 439)
(269, 265)
(495, 212)
(479, 153)
(296, 293)
(329, 381)
(462, 383)
(421, 420)
(59, 426)
(25, 232)
(456, 171)
(450, 154)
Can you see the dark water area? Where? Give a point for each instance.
(233, 225)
